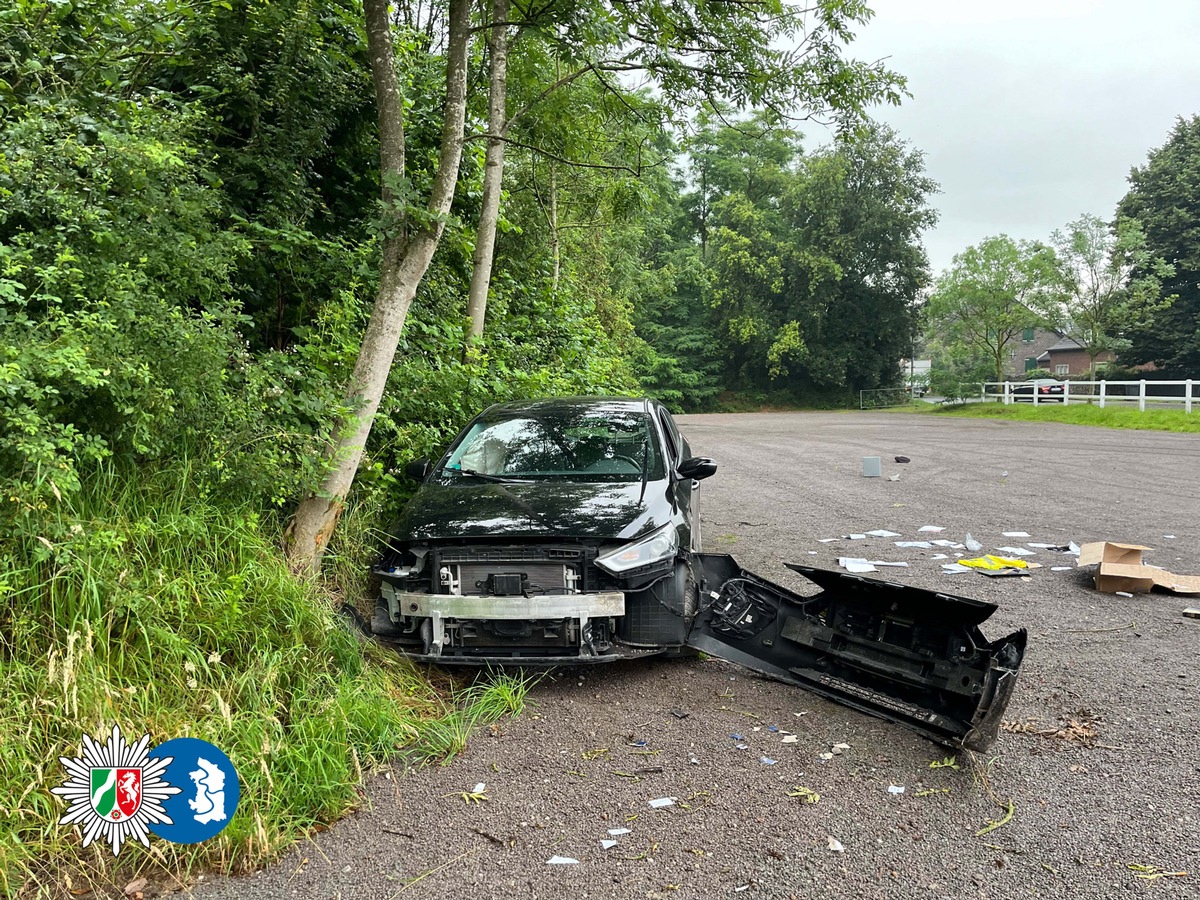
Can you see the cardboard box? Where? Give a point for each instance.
(1122, 569)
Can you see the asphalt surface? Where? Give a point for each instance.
(1099, 758)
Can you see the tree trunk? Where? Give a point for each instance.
(405, 260)
(493, 172)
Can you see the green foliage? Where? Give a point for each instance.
(992, 293)
(1083, 414)
(1112, 283)
(1164, 198)
(172, 614)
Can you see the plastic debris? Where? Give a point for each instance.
(773, 728)
(562, 861)
(1015, 551)
(836, 846)
(660, 802)
(741, 747)
(903, 459)
(950, 545)
(825, 756)
(1190, 612)
(883, 532)
(838, 748)
(736, 737)
(1061, 568)
(693, 761)
(767, 761)
(971, 544)
(924, 545)
(1169, 537)
(740, 888)
(791, 738)
(1073, 548)
(856, 537)
(1124, 594)
(855, 565)
(895, 477)
(954, 569)
(806, 794)
(933, 528)
(680, 713)
(939, 556)
(1015, 533)
(607, 845)
(617, 832)
(895, 789)
(994, 563)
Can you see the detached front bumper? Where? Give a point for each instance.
(455, 628)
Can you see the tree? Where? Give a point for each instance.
(992, 293)
(1112, 283)
(693, 51)
(1164, 197)
(410, 238)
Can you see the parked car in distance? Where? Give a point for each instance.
(1048, 390)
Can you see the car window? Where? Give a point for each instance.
(570, 444)
(672, 435)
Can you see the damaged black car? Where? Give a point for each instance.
(567, 531)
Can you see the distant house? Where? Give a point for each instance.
(1033, 343)
(1069, 357)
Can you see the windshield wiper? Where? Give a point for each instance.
(497, 478)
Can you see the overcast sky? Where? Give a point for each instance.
(1032, 112)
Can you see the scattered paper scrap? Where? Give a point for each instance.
(895, 789)
(952, 545)
(1169, 537)
(1015, 551)
(661, 802)
(856, 537)
(971, 544)
(827, 540)
(933, 528)
(954, 569)
(826, 756)
(895, 477)
(1124, 594)
(855, 565)
(767, 761)
(1060, 568)
(1015, 533)
(791, 738)
(925, 545)
(883, 532)
(562, 861)
(880, 562)
(836, 846)
(939, 556)
(479, 788)
(617, 832)
(607, 845)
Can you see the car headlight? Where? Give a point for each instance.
(654, 547)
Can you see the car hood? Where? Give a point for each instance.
(540, 509)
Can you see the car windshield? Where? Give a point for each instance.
(574, 445)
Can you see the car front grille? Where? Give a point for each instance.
(527, 570)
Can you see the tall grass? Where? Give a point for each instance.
(167, 612)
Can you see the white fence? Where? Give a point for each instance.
(1101, 393)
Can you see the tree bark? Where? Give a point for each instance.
(493, 172)
(405, 259)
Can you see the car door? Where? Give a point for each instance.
(912, 656)
(686, 489)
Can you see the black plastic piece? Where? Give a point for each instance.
(909, 655)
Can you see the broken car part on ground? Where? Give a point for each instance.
(567, 531)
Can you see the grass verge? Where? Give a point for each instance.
(1082, 414)
(155, 608)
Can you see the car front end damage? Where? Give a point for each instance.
(540, 602)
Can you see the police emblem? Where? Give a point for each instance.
(115, 791)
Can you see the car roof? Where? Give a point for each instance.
(571, 404)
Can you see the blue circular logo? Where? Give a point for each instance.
(208, 795)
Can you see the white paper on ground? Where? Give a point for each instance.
(836, 846)
(883, 532)
(562, 861)
(925, 545)
(955, 569)
(856, 537)
(617, 832)
(933, 528)
(827, 540)
(1014, 551)
(854, 565)
(939, 556)
(607, 845)
(1015, 533)
(953, 545)
(1073, 548)
(1060, 568)
(1039, 546)
(880, 562)
(661, 802)
(973, 545)
(895, 789)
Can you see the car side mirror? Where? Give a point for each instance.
(697, 467)
(418, 469)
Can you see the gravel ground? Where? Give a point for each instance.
(1119, 786)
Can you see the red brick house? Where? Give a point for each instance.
(1069, 357)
